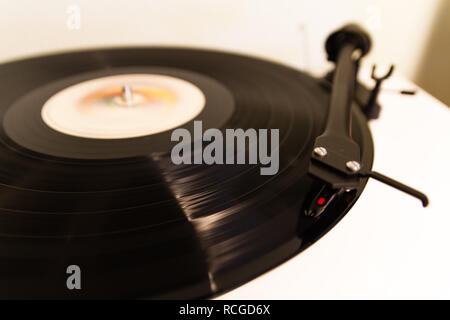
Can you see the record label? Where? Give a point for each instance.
(123, 106)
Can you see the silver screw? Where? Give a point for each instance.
(320, 151)
(353, 166)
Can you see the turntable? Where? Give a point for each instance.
(94, 206)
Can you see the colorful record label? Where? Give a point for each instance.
(123, 106)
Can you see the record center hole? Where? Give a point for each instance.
(127, 98)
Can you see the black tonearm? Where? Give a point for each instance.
(336, 156)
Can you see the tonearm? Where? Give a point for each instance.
(335, 158)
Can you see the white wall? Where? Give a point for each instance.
(287, 30)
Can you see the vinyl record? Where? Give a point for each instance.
(136, 224)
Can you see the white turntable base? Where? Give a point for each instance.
(387, 246)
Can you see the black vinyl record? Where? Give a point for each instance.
(137, 225)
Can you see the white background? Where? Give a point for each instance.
(292, 31)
